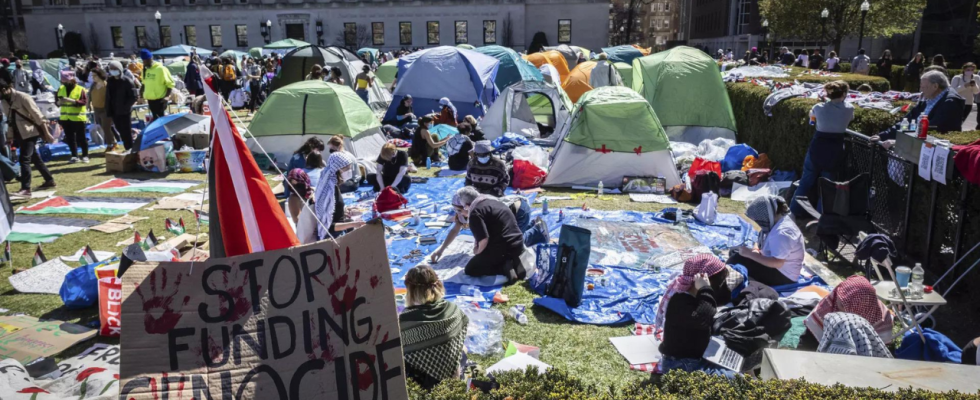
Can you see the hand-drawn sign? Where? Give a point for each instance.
(310, 322)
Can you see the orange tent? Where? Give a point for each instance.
(578, 80)
(644, 51)
(552, 57)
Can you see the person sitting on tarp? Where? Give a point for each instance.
(851, 334)
(460, 148)
(448, 114)
(686, 314)
(498, 241)
(392, 169)
(486, 173)
(298, 160)
(424, 144)
(329, 202)
(432, 329)
(855, 296)
(476, 134)
(336, 144)
(781, 258)
(827, 146)
(404, 114)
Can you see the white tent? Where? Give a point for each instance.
(516, 108)
(613, 133)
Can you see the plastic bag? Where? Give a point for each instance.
(81, 287)
(485, 332)
(683, 150)
(714, 149)
(707, 211)
(527, 175)
(534, 154)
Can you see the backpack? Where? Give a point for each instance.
(389, 199)
(704, 182)
(229, 73)
(574, 249)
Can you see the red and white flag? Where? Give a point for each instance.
(251, 219)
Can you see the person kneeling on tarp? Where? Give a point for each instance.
(855, 296)
(781, 258)
(432, 329)
(498, 240)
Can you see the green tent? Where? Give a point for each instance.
(512, 68)
(625, 72)
(285, 44)
(294, 113)
(685, 88)
(255, 52)
(386, 72)
(613, 133)
(53, 66)
(178, 67)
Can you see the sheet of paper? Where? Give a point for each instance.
(741, 192)
(925, 161)
(638, 349)
(421, 196)
(44, 278)
(110, 227)
(451, 266)
(127, 219)
(652, 198)
(100, 255)
(518, 362)
(940, 161)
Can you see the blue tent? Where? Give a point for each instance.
(166, 126)
(370, 53)
(512, 69)
(623, 54)
(181, 50)
(464, 76)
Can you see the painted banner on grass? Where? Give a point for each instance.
(36, 229)
(118, 185)
(86, 205)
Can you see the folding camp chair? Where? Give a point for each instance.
(845, 213)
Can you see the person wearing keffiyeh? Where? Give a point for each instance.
(855, 296)
(329, 203)
(780, 260)
(433, 330)
(448, 114)
(851, 334)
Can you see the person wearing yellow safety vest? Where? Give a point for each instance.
(157, 84)
(74, 115)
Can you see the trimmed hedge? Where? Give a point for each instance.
(558, 385)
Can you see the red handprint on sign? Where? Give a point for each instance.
(342, 302)
(160, 315)
(241, 303)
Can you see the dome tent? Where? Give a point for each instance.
(553, 58)
(513, 111)
(684, 87)
(624, 54)
(625, 73)
(294, 113)
(464, 76)
(386, 72)
(571, 53)
(512, 68)
(590, 75)
(297, 63)
(613, 132)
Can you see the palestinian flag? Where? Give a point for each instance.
(45, 229)
(149, 242)
(175, 228)
(39, 257)
(119, 185)
(88, 256)
(202, 217)
(6, 252)
(86, 205)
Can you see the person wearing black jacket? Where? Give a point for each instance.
(943, 106)
(816, 60)
(885, 65)
(119, 99)
(913, 70)
(786, 57)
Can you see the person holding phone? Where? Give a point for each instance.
(967, 85)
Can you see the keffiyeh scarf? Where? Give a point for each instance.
(300, 181)
(855, 296)
(706, 264)
(851, 334)
(432, 338)
(325, 188)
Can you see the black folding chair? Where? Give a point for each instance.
(845, 214)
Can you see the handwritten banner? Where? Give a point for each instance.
(316, 321)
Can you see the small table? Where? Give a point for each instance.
(884, 290)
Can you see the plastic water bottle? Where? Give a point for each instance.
(417, 220)
(561, 215)
(517, 312)
(544, 207)
(918, 275)
(905, 125)
(600, 188)
(428, 163)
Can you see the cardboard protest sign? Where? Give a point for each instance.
(310, 322)
(91, 375)
(24, 338)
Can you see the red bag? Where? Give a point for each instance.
(110, 302)
(701, 164)
(389, 199)
(527, 175)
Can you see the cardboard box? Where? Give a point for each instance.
(116, 162)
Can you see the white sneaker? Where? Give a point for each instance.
(73, 160)
(85, 160)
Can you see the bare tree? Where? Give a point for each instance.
(353, 40)
(508, 38)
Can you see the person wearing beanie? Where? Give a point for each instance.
(485, 172)
(73, 99)
(119, 100)
(157, 84)
(25, 123)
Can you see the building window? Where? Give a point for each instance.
(564, 31)
(405, 33)
(166, 2)
(141, 2)
(432, 32)
(243, 1)
(241, 33)
(165, 40)
(190, 34)
(350, 34)
(666, 6)
(141, 37)
(378, 33)
(191, 2)
(117, 37)
(489, 32)
(216, 36)
(461, 32)
(118, 3)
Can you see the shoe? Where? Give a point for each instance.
(26, 193)
(85, 160)
(543, 228)
(48, 185)
(73, 160)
